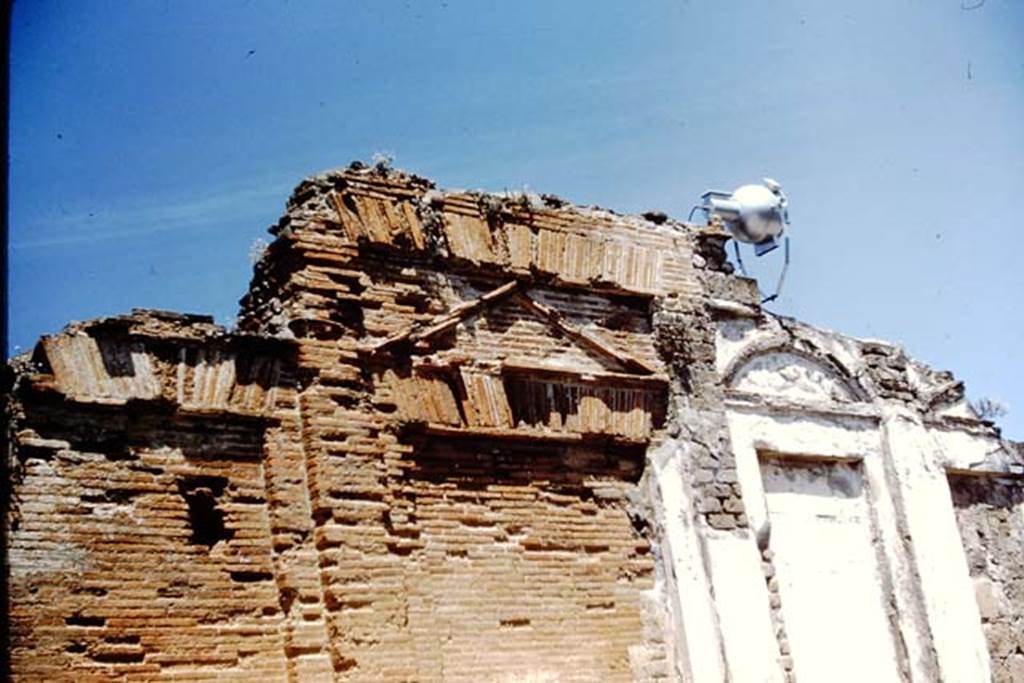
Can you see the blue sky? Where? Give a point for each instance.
(153, 142)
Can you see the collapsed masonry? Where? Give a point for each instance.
(461, 436)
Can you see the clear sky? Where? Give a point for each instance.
(153, 142)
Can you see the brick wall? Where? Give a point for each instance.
(480, 385)
(417, 460)
(138, 535)
(990, 514)
(429, 452)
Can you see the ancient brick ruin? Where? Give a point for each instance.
(461, 436)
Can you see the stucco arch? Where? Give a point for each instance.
(789, 372)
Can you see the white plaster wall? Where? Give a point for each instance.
(820, 436)
(744, 615)
(833, 600)
(698, 641)
(971, 450)
(837, 437)
(734, 337)
(941, 564)
(720, 601)
(782, 404)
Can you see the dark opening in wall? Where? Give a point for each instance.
(251, 576)
(119, 657)
(206, 519)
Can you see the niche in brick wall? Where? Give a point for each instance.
(530, 401)
(585, 405)
(206, 519)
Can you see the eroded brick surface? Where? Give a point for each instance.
(139, 537)
(418, 460)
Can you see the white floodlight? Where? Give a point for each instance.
(755, 214)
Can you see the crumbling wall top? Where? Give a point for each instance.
(183, 360)
(338, 218)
